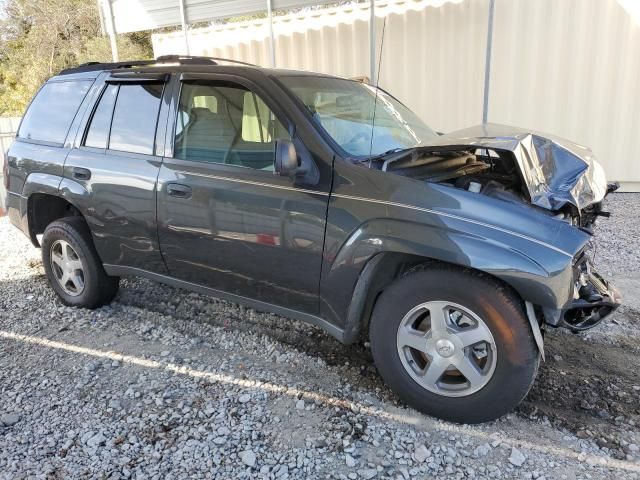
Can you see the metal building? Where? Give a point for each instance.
(567, 67)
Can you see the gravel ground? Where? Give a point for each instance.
(618, 245)
(169, 384)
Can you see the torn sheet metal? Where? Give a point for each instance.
(555, 171)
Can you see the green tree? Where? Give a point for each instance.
(38, 38)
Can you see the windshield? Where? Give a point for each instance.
(345, 109)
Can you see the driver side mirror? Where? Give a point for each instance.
(286, 160)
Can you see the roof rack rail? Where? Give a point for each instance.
(187, 59)
(179, 59)
(229, 60)
(93, 66)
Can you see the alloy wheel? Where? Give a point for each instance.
(446, 348)
(67, 267)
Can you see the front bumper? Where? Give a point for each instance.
(594, 299)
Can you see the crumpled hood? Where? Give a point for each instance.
(555, 171)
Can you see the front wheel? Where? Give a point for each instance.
(454, 344)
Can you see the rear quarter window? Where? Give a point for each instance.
(52, 111)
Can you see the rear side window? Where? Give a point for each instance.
(126, 118)
(98, 133)
(52, 111)
(133, 128)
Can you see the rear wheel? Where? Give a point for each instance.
(73, 267)
(454, 344)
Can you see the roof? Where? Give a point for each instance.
(165, 59)
(172, 63)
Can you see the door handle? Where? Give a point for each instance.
(178, 190)
(81, 173)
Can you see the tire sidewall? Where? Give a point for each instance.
(65, 231)
(516, 352)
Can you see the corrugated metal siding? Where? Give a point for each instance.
(421, 40)
(433, 60)
(571, 67)
(568, 67)
(136, 15)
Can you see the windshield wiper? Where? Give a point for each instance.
(383, 155)
(388, 156)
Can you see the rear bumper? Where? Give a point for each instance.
(3, 197)
(16, 210)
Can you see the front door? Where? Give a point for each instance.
(225, 220)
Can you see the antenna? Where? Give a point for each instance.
(375, 100)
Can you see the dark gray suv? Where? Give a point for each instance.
(321, 199)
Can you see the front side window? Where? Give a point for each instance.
(52, 111)
(226, 123)
(360, 120)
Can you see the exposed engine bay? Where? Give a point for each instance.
(484, 171)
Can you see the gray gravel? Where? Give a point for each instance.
(170, 384)
(618, 238)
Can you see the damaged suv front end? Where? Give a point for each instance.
(555, 177)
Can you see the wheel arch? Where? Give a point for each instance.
(538, 276)
(384, 268)
(44, 201)
(45, 208)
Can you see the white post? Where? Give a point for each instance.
(487, 63)
(111, 30)
(185, 27)
(372, 42)
(272, 39)
(103, 30)
(114, 47)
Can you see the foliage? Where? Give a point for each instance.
(38, 38)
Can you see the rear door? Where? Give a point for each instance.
(225, 220)
(111, 175)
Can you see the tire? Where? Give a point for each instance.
(507, 371)
(90, 287)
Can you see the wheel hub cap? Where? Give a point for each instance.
(445, 348)
(439, 343)
(67, 268)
